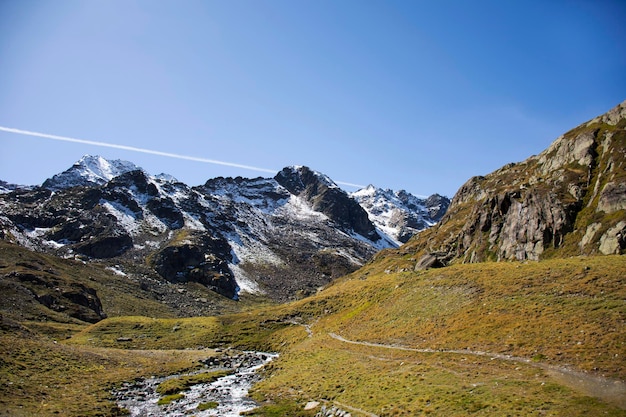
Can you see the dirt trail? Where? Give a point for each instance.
(609, 390)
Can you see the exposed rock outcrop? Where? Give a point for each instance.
(326, 197)
(60, 294)
(568, 200)
(199, 258)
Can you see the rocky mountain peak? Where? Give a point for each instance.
(613, 117)
(89, 170)
(280, 236)
(326, 197)
(297, 179)
(400, 214)
(6, 187)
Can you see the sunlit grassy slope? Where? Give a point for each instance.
(549, 315)
(570, 311)
(536, 338)
(42, 378)
(43, 373)
(544, 316)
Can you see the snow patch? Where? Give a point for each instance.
(126, 217)
(298, 208)
(39, 232)
(252, 251)
(116, 271)
(245, 283)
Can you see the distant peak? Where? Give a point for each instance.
(166, 177)
(90, 170)
(296, 178)
(370, 190)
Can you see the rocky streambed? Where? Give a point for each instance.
(225, 397)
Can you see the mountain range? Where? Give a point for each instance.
(282, 237)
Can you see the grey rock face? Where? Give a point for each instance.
(201, 258)
(570, 197)
(326, 197)
(612, 198)
(613, 242)
(431, 260)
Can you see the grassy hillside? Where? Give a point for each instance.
(534, 338)
(545, 338)
(561, 310)
(538, 338)
(40, 377)
(43, 372)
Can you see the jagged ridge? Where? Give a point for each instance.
(284, 236)
(399, 214)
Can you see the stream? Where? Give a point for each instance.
(140, 398)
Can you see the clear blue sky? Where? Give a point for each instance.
(415, 95)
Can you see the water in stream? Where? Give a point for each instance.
(229, 392)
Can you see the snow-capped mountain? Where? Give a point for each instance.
(5, 187)
(398, 214)
(283, 236)
(89, 170)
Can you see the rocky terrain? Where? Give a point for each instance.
(568, 200)
(282, 237)
(401, 215)
(225, 396)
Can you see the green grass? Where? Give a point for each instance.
(554, 313)
(42, 378)
(561, 308)
(280, 409)
(168, 399)
(150, 333)
(207, 406)
(387, 383)
(183, 383)
(561, 312)
(249, 331)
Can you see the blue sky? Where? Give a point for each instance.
(415, 95)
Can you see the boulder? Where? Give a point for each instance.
(430, 260)
(614, 240)
(612, 197)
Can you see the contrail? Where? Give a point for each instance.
(149, 151)
(349, 184)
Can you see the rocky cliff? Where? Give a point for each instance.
(568, 200)
(326, 197)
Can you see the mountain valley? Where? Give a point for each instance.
(510, 299)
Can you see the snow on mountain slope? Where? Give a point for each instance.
(399, 214)
(5, 187)
(89, 170)
(281, 236)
